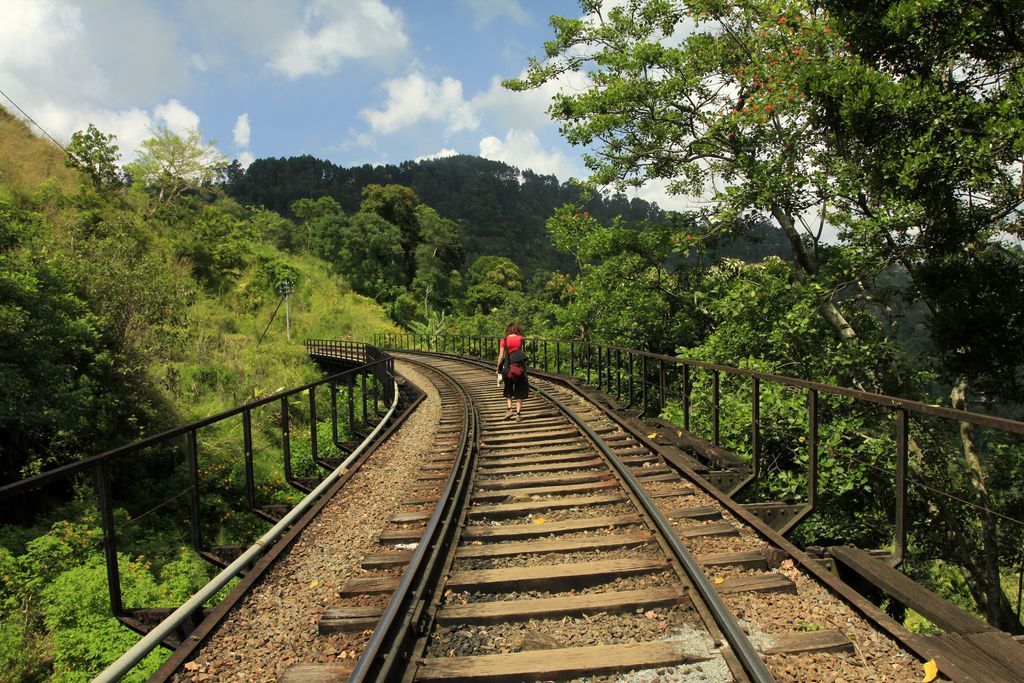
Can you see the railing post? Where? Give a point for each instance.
(755, 424)
(109, 539)
(812, 446)
(313, 451)
(572, 359)
(362, 393)
(250, 483)
(194, 510)
(334, 413)
(661, 386)
(715, 407)
(545, 355)
(630, 378)
(600, 367)
(286, 439)
(618, 374)
(351, 386)
(902, 438)
(686, 397)
(643, 386)
(590, 352)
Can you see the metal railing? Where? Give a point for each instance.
(183, 445)
(693, 392)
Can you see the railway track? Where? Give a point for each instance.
(563, 548)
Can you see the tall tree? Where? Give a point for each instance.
(925, 113)
(309, 213)
(438, 258)
(96, 154)
(173, 164)
(684, 93)
(371, 256)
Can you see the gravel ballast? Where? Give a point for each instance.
(276, 624)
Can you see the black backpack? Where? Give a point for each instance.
(515, 362)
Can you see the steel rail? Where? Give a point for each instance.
(150, 641)
(379, 658)
(741, 645)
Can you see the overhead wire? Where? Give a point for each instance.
(25, 114)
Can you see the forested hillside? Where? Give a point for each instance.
(501, 210)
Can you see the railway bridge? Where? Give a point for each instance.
(621, 531)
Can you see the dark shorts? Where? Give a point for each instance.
(518, 389)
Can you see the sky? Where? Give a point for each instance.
(353, 81)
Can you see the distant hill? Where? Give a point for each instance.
(502, 210)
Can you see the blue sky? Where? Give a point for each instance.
(353, 81)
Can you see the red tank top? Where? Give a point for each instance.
(515, 342)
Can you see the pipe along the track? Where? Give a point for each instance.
(151, 640)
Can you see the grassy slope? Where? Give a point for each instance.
(26, 162)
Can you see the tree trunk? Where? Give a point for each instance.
(809, 266)
(982, 572)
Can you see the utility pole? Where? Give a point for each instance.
(286, 288)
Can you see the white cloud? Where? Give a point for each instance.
(486, 12)
(33, 31)
(414, 99)
(656, 191)
(246, 158)
(445, 152)
(527, 109)
(333, 32)
(242, 131)
(178, 118)
(523, 149)
(68, 65)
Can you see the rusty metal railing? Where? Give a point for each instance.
(183, 444)
(652, 384)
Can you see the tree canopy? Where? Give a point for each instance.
(173, 164)
(897, 124)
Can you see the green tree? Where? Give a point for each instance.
(173, 164)
(311, 214)
(928, 135)
(217, 245)
(397, 205)
(273, 228)
(438, 257)
(630, 288)
(94, 153)
(371, 257)
(491, 279)
(698, 109)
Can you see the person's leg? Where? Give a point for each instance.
(518, 390)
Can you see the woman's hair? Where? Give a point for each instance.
(513, 328)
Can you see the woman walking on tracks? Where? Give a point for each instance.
(512, 367)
